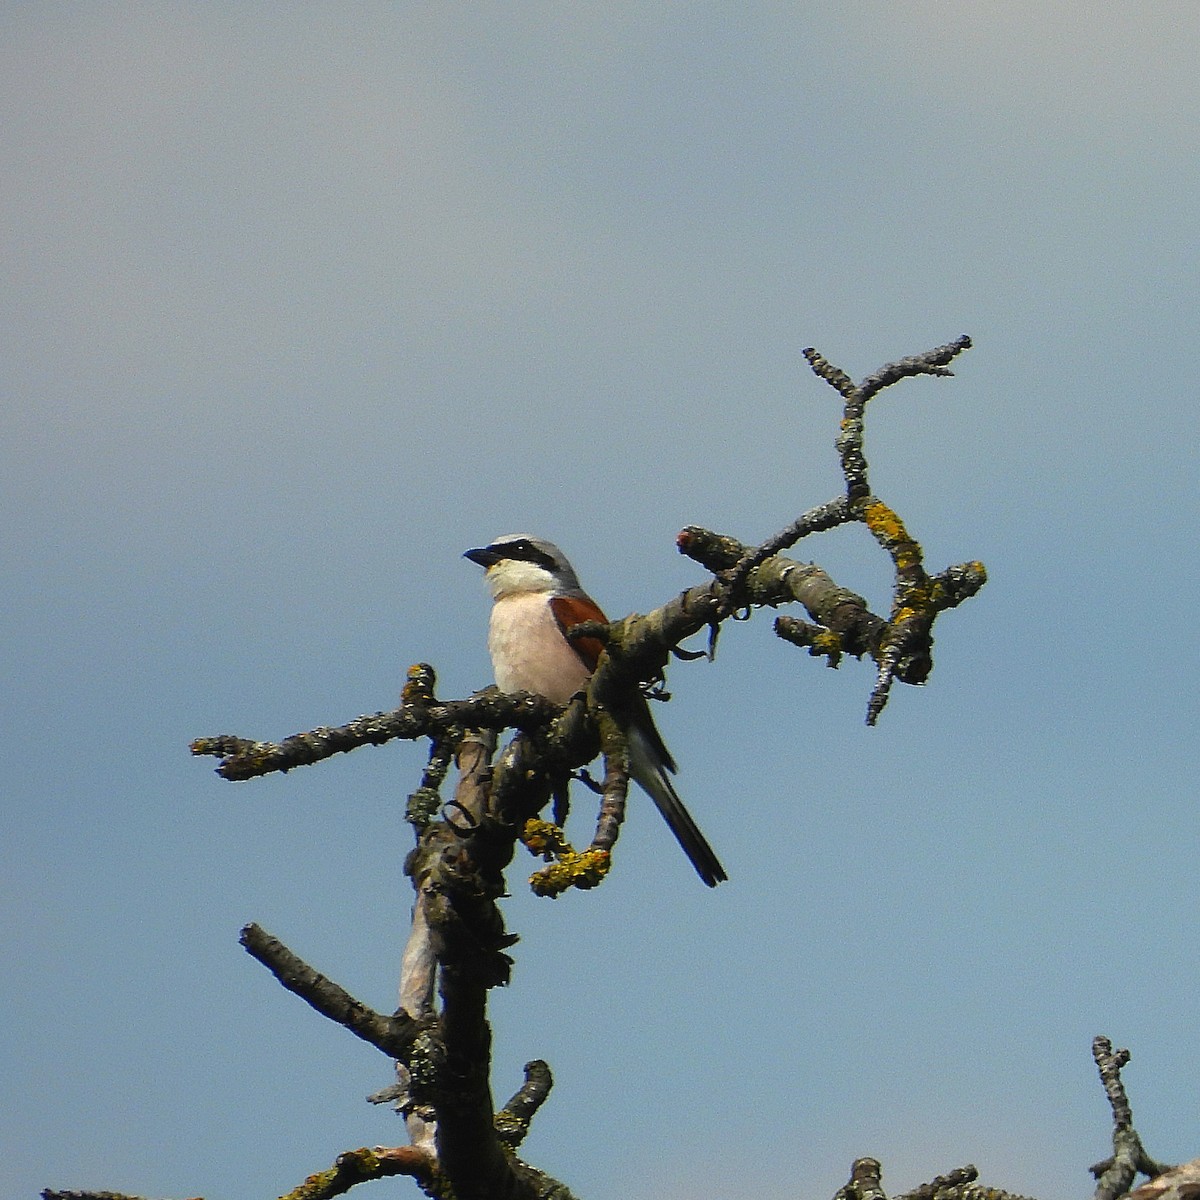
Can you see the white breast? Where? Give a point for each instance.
(529, 652)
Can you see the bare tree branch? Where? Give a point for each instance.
(392, 1035)
(360, 1166)
(1115, 1175)
(959, 1184)
(901, 644)
(512, 1121)
(865, 1183)
(439, 1039)
(54, 1194)
(418, 716)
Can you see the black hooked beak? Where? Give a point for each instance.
(485, 556)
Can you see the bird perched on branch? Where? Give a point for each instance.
(536, 599)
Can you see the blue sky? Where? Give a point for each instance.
(301, 301)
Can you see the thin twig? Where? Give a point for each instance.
(392, 1035)
(1115, 1175)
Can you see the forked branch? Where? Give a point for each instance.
(457, 950)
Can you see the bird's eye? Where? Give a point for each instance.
(523, 550)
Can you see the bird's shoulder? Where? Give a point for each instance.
(570, 611)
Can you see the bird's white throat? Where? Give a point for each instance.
(511, 576)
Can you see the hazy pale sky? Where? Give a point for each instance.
(300, 301)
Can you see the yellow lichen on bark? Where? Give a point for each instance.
(583, 871)
(888, 530)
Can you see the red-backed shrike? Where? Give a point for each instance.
(536, 597)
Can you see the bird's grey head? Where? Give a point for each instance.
(520, 562)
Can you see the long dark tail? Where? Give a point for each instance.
(648, 765)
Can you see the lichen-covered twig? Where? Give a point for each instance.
(73, 1194)
(425, 801)
(1115, 1175)
(941, 1186)
(901, 646)
(960, 1184)
(512, 1121)
(865, 1183)
(361, 1166)
(418, 716)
